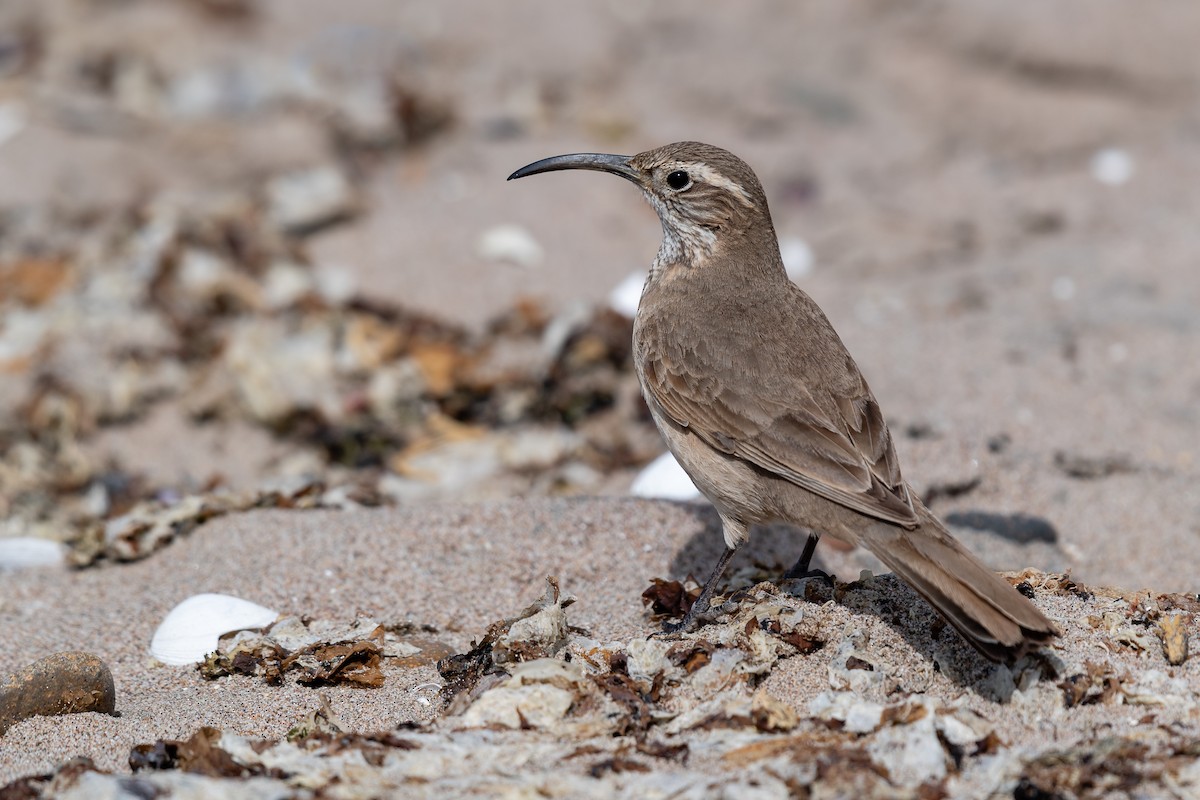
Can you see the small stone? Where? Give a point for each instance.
(62, 683)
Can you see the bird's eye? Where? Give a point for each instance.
(679, 180)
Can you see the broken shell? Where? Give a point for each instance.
(23, 552)
(192, 629)
(663, 478)
(510, 243)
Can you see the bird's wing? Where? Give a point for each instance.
(843, 454)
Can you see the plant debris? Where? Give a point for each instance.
(317, 653)
(685, 714)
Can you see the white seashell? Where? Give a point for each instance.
(12, 121)
(664, 478)
(1112, 166)
(23, 552)
(625, 297)
(797, 257)
(1062, 289)
(192, 629)
(510, 243)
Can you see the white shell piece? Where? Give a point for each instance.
(625, 297)
(1112, 166)
(23, 552)
(664, 478)
(191, 630)
(797, 257)
(510, 243)
(12, 121)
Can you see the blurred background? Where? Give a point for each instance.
(262, 252)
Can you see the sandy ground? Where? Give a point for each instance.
(459, 569)
(1028, 321)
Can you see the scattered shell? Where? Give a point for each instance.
(63, 683)
(1062, 289)
(1112, 166)
(538, 694)
(512, 244)
(855, 714)
(911, 754)
(12, 121)
(23, 552)
(193, 628)
(301, 202)
(663, 478)
(852, 667)
(624, 299)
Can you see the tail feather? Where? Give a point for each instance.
(989, 613)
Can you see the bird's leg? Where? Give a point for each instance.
(801, 569)
(700, 607)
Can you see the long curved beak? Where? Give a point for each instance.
(602, 162)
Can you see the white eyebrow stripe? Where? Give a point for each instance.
(710, 176)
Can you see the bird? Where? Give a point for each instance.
(762, 405)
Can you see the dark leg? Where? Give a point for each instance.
(700, 607)
(801, 568)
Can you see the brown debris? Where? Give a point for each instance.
(627, 694)
(1095, 684)
(198, 755)
(355, 663)
(1075, 465)
(691, 654)
(1172, 629)
(669, 599)
(319, 653)
(34, 281)
(540, 632)
(320, 721)
(1104, 768)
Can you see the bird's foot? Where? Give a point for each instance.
(794, 574)
(696, 617)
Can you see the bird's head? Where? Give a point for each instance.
(705, 197)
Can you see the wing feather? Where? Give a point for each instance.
(840, 449)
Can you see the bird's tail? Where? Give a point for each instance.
(985, 608)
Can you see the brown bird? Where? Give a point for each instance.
(762, 405)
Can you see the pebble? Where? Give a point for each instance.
(62, 683)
